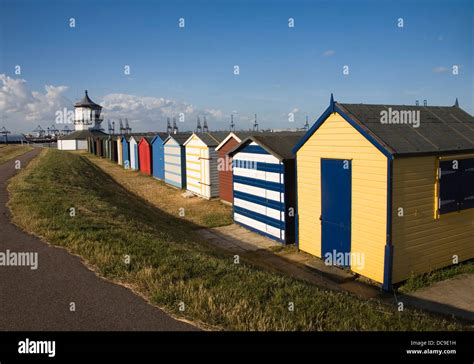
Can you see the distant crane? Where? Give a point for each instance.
(306, 124)
(122, 129)
(128, 129)
(5, 133)
(199, 127)
(255, 124)
(168, 126)
(205, 128)
(232, 125)
(109, 127)
(175, 127)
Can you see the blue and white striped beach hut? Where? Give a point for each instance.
(175, 159)
(263, 174)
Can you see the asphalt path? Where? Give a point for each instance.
(42, 299)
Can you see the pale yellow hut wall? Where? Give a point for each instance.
(336, 138)
(422, 241)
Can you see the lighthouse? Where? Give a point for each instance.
(87, 120)
(87, 114)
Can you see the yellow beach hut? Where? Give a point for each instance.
(202, 177)
(118, 140)
(387, 190)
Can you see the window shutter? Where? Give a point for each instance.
(467, 183)
(449, 187)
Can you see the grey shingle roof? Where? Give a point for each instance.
(219, 136)
(181, 137)
(211, 139)
(138, 136)
(149, 139)
(245, 134)
(240, 135)
(442, 129)
(162, 136)
(278, 144)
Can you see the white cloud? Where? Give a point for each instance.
(215, 113)
(329, 53)
(21, 109)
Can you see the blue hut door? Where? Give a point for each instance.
(125, 155)
(336, 175)
(137, 161)
(161, 161)
(158, 158)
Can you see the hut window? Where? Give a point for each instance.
(456, 185)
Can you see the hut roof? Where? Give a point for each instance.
(179, 137)
(162, 135)
(210, 139)
(239, 134)
(441, 128)
(278, 144)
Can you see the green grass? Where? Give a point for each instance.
(171, 265)
(11, 151)
(416, 282)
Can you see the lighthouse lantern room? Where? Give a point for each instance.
(87, 114)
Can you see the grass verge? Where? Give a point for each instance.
(421, 281)
(11, 151)
(201, 212)
(169, 263)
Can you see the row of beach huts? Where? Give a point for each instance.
(387, 200)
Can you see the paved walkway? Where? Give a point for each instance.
(40, 299)
(453, 296)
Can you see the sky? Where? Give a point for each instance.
(283, 71)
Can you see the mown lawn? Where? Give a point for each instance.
(171, 266)
(11, 151)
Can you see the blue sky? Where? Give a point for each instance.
(282, 69)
